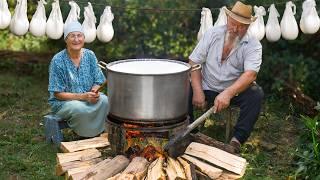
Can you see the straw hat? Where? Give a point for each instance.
(241, 13)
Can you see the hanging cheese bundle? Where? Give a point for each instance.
(257, 28)
(288, 24)
(54, 27)
(310, 21)
(222, 18)
(39, 20)
(5, 15)
(89, 24)
(273, 31)
(19, 24)
(74, 13)
(205, 22)
(105, 30)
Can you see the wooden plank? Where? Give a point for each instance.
(207, 169)
(78, 156)
(204, 139)
(226, 175)
(74, 146)
(155, 170)
(105, 169)
(217, 157)
(74, 171)
(64, 167)
(189, 169)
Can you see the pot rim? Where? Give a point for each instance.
(136, 74)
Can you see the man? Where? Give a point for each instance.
(230, 62)
(74, 79)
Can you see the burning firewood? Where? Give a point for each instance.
(155, 170)
(189, 169)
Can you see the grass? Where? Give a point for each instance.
(26, 155)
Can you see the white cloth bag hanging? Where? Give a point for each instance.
(222, 18)
(105, 30)
(273, 31)
(205, 22)
(39, 20)
(310, 21)
(288, 24)
(74, 13)
(5, 15)
(19, 24)
(257, 28)
(54, 27)
(89, 24)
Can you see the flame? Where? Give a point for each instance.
(139, 144)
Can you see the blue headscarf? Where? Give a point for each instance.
(73, 26)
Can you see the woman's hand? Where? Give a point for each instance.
(91, 97)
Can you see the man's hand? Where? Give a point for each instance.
(91, 97)
(222, 101)
(199, 100)
(95, 88)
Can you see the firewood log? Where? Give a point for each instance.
(189, 169)
(217, 157)
(207, 169)
(78, 156)
(105, 169)
(64, 167)
(74, 146)
(155, 170)
(175, 169)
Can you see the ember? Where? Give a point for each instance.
(149, 152)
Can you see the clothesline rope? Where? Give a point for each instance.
(167, 9)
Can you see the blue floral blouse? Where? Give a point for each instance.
(64, 76)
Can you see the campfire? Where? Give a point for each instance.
(144, 159)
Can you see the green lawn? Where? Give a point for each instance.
(24, 154)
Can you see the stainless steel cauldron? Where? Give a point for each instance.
(148, 89)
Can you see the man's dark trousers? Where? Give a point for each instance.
(249, 101)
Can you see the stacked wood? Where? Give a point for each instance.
(74, 146)
(217, 157)
(155, 170)
(78, 165)
(189, 169)
(136, 170)
(104, 169)
(77, 156)
(174, 169)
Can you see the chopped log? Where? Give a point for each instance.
(176, 166)
(138, 168)
(171, 173)
(155, 170)
(64, 167)
(74, 146)
(204, 139)
(226, 175)
(115, 177)
(78, 156)
(189, 169)
(79, 170)
(104, 169)
(217, 157)
(209, 170)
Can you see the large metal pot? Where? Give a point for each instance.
(137, 91)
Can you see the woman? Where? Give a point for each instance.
(74, 78)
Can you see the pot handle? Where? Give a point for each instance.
(102, 65)
(196, 67)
